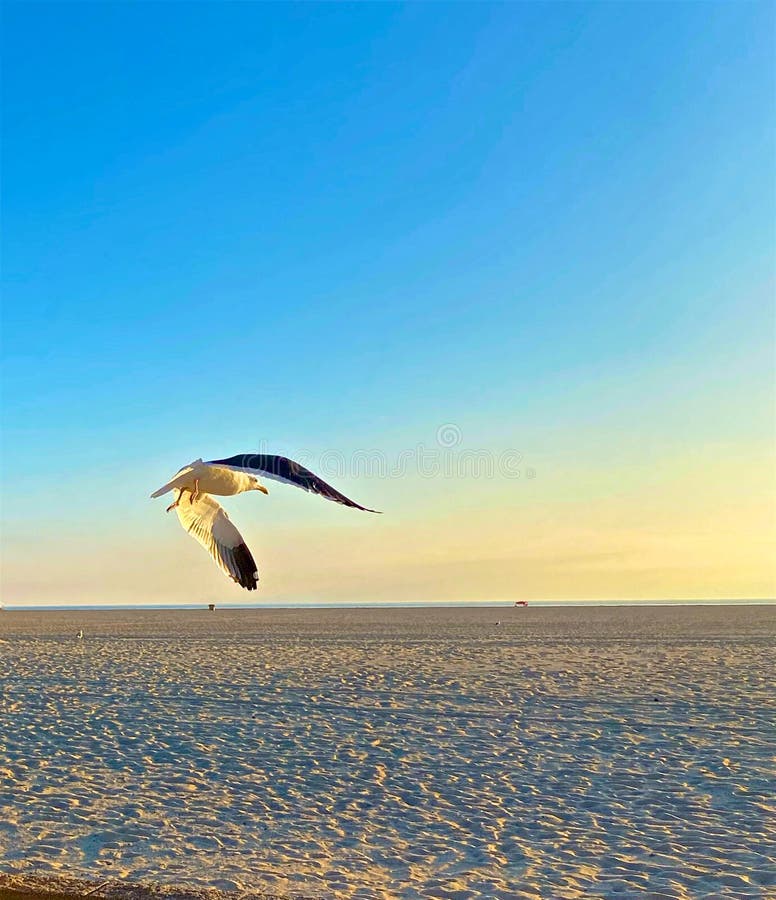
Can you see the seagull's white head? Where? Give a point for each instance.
(258, 486)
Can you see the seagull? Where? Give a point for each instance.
(206, 520)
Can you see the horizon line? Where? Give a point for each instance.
(414, 604)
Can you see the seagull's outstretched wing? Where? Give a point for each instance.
(280, 468)
(207, 521)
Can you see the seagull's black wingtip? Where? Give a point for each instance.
(377, 512)
(246, 568)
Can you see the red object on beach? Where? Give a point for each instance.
(521, 603)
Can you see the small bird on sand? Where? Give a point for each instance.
(206, 520)
(80, 633)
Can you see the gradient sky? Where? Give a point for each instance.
(331, 229)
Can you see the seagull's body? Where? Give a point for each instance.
(201, 477)
(206, 520)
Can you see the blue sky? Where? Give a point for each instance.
(340, 226)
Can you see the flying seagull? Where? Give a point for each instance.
(206, 520)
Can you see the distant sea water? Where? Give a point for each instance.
(381, 753)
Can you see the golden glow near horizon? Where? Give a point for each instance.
(685, 529)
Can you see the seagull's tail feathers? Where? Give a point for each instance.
(181, 478)
(164, 488)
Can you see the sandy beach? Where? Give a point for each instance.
(390, 753)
